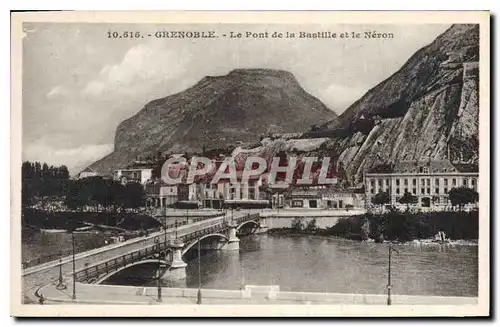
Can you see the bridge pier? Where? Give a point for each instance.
(177, 268)
(233, 243)
(263, 227)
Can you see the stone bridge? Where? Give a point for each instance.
(168, 249)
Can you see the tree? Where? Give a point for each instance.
(314, 128)
(311, 225)
(342, 174)
(408, 199)
(77, 195)
(381, 198)
(400, 226)
(297, 224)
(462, 196)
(134, 195)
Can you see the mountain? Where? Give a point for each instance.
(218, 111)
(428, 109)
(429, 106)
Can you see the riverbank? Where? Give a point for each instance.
(66, 220)
(324, 233)
(397, 227)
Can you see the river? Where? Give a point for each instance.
(309, 264)
(322, 264)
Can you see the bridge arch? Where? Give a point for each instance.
(249, 222)
(101, 279)
(253, 223)
(195, 242)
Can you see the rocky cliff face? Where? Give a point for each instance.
(429, 104)
(217, 112)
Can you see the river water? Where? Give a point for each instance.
(321, 264)
(311, 264)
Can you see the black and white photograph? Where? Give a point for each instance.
(196, 161)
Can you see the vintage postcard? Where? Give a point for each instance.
(250, 164)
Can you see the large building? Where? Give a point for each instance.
(324, 197)
(87, 172)
(231, 194)
(430, 181)
(139, 175)
(160, 194)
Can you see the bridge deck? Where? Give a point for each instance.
(36, 276)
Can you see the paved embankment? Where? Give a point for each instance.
(310, 213)
(110, 294)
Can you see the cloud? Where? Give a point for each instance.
(57, 91)
(339, 97)
(141, 63)
(94, 88)
(75, 158)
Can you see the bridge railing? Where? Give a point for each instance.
(92, 273)
(46, 258)
(247, 217)
(202, 232)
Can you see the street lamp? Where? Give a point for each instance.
(175, 223)
(199, 272)
(158, 285)
(242, 274)
(74, 275)
(389, 286)
(165, 234)
(60, 285)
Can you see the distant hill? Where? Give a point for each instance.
(217, 112)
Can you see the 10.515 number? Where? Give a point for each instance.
(124, 35)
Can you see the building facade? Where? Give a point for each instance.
(139, 175)
(215, 195)
(324, 197)
(87, 172)
(429, 181)
(161, 195)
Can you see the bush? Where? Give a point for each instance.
(407, 226)
(297, 224)
(311, 225)
(347, 228)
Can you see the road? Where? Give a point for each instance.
(34, 277)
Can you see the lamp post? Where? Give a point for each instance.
(60, 285)
(165, 234)
(158, 284)
(199, 272)
(389, 286)
(175, 224)
(74, 275)
(242, 274)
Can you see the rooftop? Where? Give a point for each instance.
(432, 166)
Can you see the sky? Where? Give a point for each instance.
(78, 84)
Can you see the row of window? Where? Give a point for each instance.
(426, 170)
(414, 191)
(423, 182)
